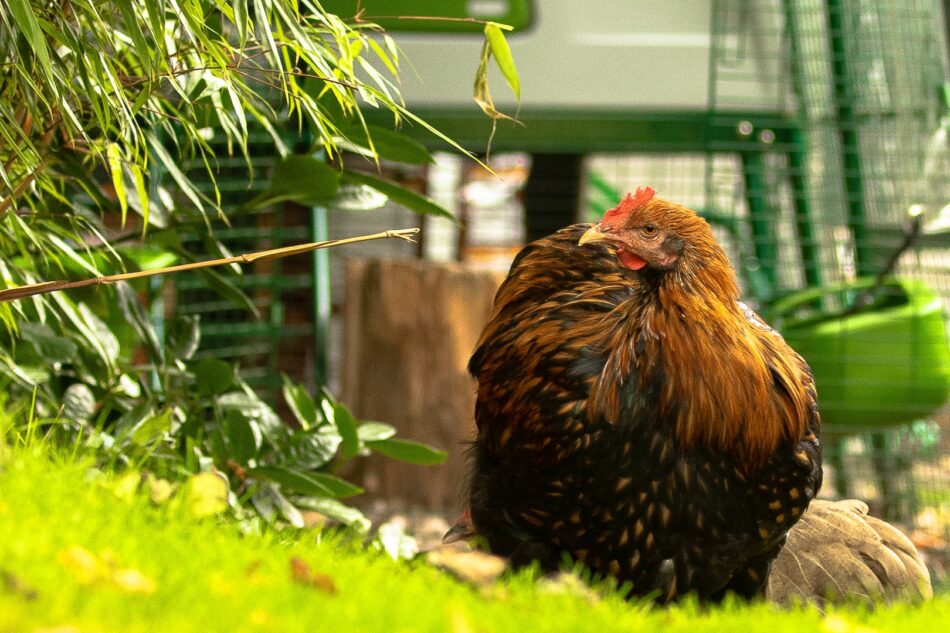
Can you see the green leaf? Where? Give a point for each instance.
(339, 511)
(346, 426)
(78, 402)
(253, 408)
(114, 154)
(358, 198)
(142, 192)
(373, 431)
(100, 336)
(503, 57)
(49, 346)
(243, 436)
(340, 488)
(388, 144)
(222, 285)
(213, 376)
(409, 199)
(240, 20)
(293, 480)
(30, 28)
(132, 26)
(135, 314)
(309, 450)
(408, 451)
(268, 501)
(300, 403)
(151, 428)
(142, 426)
(184, 336)
(302, 179)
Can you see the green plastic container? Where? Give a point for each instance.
(886, 364)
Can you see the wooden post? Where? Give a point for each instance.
(409, 327)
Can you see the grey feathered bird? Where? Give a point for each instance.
(837, 552)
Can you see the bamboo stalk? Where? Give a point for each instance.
(12, 294)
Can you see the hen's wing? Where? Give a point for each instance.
(541, 350)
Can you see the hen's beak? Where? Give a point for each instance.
(593, 235)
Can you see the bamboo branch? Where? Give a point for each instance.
(11, 294)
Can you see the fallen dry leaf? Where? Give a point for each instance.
(13, 584)
(476, 568)
(302, 574)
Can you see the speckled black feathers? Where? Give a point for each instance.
(557, 471)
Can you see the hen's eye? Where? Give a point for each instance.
(649, 229)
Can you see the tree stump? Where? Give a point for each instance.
(409, 327)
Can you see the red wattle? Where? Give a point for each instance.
(628, 259)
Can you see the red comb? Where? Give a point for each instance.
(615, 217)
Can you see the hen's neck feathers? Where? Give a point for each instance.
(723, 382)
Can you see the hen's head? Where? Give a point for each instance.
(654, 234)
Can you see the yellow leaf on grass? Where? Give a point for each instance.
(133, 581)
(126, 486)
(206, 494)
(85, 566)
(160, 490)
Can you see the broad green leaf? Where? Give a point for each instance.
(373, 431)
(346, 426)
(253, 408)
(213, 376)
(502, 54)
(300, 403)
(49, 346)
(338, 511)
(151, 428)
(397, 193)
(292, 480)
(309, 450)
(79, 403)
(142, 426)
(358, 198)
(408, 451)
(389, 144)
(341, 488)
(243, 436)
(302, 179)
(268, 501)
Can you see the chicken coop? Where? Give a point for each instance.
(812, 135)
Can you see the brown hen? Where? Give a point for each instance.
(633, 415)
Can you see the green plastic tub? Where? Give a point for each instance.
(887, 364)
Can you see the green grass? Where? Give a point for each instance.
(64, 535)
